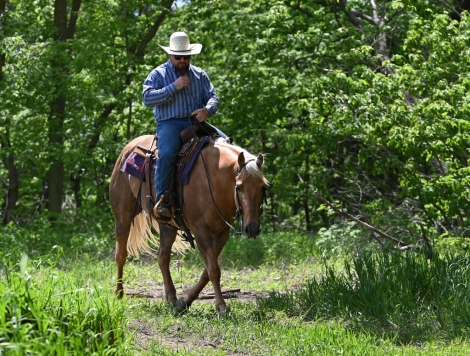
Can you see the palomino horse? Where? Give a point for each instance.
(225, 181)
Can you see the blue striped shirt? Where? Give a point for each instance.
(159, 92)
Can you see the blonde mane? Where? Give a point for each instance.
(251, 167)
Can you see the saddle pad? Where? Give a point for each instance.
(187, 162)
(134, 165)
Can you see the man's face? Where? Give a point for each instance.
(181, 63)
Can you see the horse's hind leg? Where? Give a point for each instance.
(196, 289)
(122, 234)
(167, 238)
(122, 202)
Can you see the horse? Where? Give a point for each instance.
(224, 182)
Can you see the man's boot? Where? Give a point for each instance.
(162, 208)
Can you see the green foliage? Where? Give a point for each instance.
(86, 232)
(341, 238)
(269, 249)
(304, 86)
(61, 301)
(404, 297)
(372, 116)
(54, 315)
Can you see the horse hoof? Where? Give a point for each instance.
(223, 311)
(181, 305)
(119, 293)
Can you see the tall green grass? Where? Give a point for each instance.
(54, 315)
(61, 301)
(402, 296)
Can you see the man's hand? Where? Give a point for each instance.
(201, 114)
(182, 82)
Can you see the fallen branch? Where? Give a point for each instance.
(132, 293)
(139, 294)
(224, 293)
(400, 243)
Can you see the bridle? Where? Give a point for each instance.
(238, 211)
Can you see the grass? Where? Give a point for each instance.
(201, 331)
(59, 300)
(405, 297)
(50, 314)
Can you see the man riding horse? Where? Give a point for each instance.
(180, 94)
(226, 180)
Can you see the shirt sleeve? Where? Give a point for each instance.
(210, 97)
(154, 93)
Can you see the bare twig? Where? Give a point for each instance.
(5, 183)
(451, 8)
(350, 217)
(425, 238)
(150, 295)
(137, 294)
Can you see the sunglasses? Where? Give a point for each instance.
(179, 57)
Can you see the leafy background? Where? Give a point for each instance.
(365, 103)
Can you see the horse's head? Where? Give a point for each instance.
(250, 192)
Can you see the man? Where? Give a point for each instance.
(179, 94)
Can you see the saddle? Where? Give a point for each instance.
(141, 165)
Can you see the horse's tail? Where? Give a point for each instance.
(143, 240)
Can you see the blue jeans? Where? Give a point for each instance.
(169, 143)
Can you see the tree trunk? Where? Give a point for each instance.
(306, 200)
(64, 31)
(12, 184)
(2, 55)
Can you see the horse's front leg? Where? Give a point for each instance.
(167, 238)
(213, 270)
(210, 248)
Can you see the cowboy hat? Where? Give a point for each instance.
(179, 45)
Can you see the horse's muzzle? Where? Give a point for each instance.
(252, 230)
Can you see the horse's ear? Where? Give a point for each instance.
(241, 159)
(260, 160)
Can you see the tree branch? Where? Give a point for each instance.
(350, 217)
(73, 19)
(362, 15)
(153, 30)
(454, 11)
(299, 9)
(5, 183)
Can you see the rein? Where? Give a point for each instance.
(238, 211)
(213, 200)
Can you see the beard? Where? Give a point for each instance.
(182, 67)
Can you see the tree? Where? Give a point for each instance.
(8, 158)
(362, 101)
(327, 88)
(69, 87)
(65, 26)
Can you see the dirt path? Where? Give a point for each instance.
(145, 332)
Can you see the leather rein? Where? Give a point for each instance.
(238, 211)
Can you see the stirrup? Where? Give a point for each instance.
(162, 209)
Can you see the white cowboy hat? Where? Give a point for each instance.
(179, 45)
